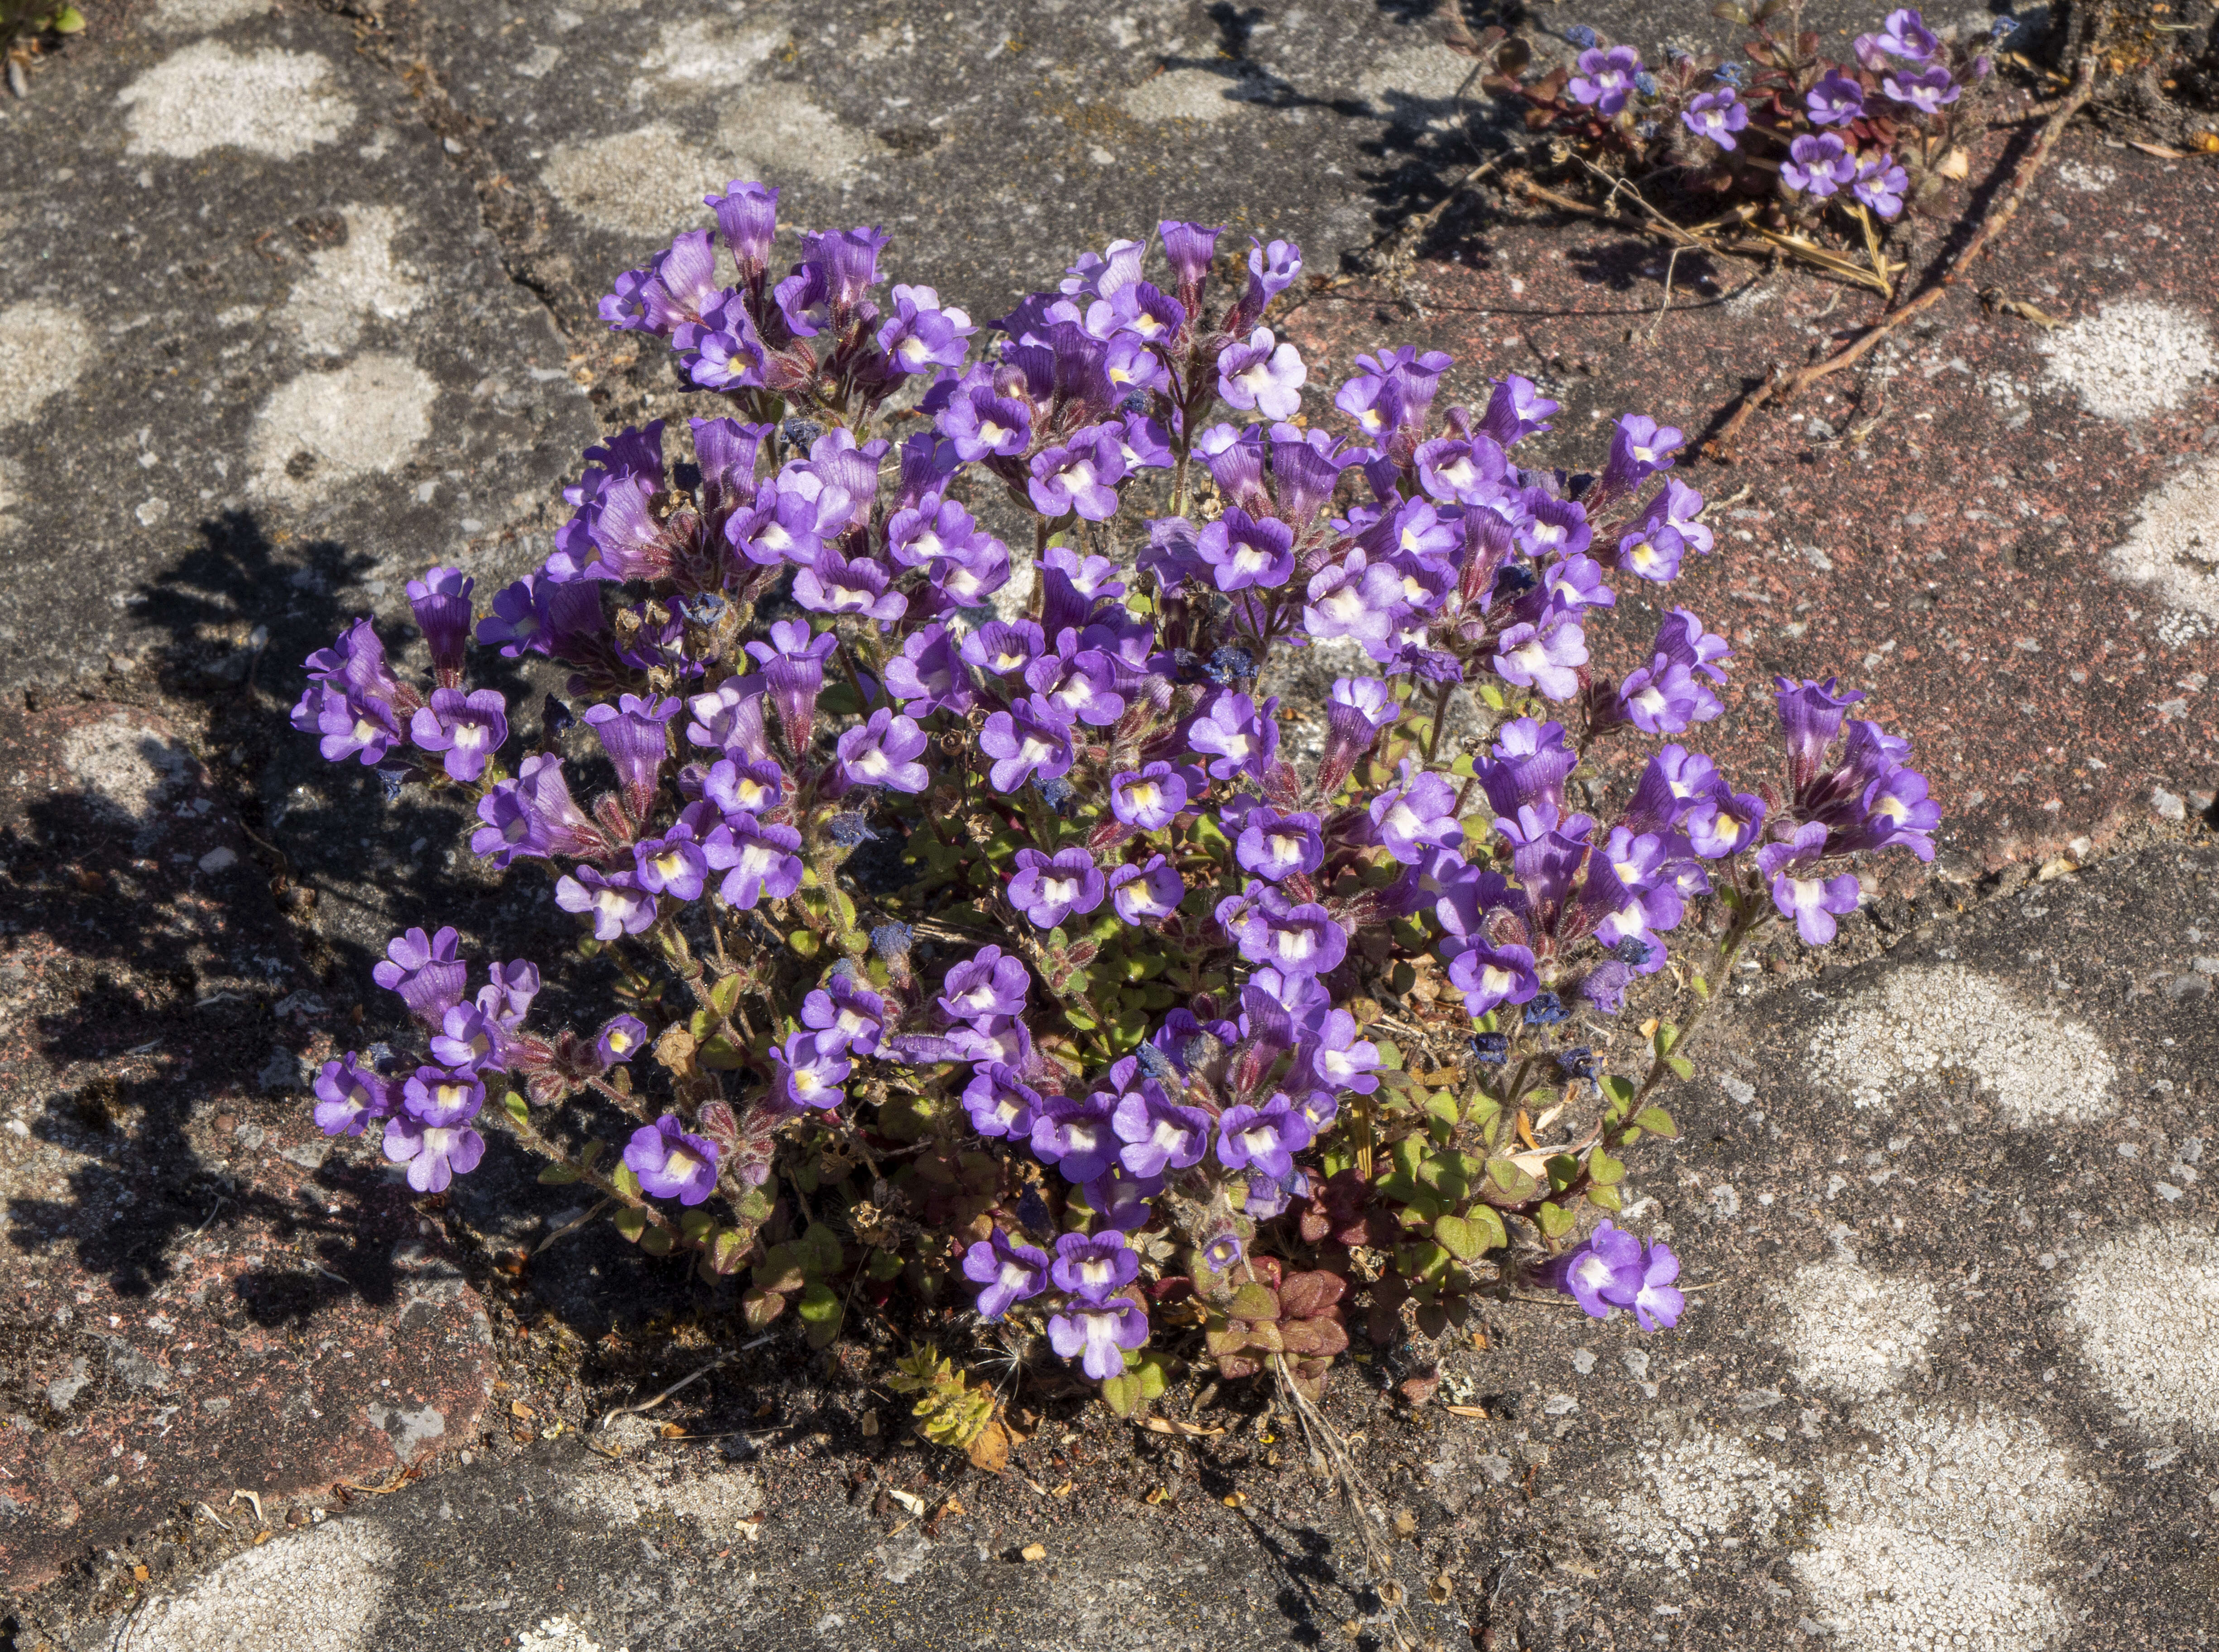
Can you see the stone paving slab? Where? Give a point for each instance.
(1952, 1254)
(198, 1297)
(259, 359)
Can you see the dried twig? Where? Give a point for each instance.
(1330, 1447)
(1783, 387)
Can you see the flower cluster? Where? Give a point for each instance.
(1789, 126)
(1013, 933)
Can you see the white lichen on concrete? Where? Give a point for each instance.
(202, 16)
(1699, 1497)
(126, 767)
(320, 430)
(626, 1493)
(1187, 95)
(773, 130)
(351, 282)
(1946, 1534)
(1938, 1021)
(1854, 1332)
(1423, 82)
(2146, 1307)
(1938, 1530)
(2130, 359)
(207, 96)
(44, 349)
(323, 1587)
(560, 1634)
(2173, 549)
(702, 56)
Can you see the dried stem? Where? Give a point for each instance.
(1327, 1444)
(1784, 387)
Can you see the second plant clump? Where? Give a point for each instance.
(998, 965)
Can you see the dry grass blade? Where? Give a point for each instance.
(1328, 1446)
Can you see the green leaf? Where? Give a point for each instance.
(1562, 1169)
(1555, 1220)
(558, 1176)
(1467, 1237)
(513, 1105)
(1511, 1178)
(655, 1241)
(727, 1250)
(820, 1250)
(627, 1181)
(717, 1054)
(1121, 1395)
(1605, 1170)
(1442, 1105)
(68, 19)
(1657, 1121)
(1667, 1036)
(1702, 986)
(804, 942)
(884, 1265)
(630, 1223)
(1605, 1198)
(1681, 1067)
(725, 994)
(695, 1225)
(1620, 1093)
(593, 1152)
(820, 1311)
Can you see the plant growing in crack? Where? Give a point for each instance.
(994, 967)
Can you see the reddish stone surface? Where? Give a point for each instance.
(1952, 562)
(198, 1297)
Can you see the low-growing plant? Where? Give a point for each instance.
(997, 960)
(1790, 140)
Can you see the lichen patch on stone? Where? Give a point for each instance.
(1852, 1332)
(2146, 1307)
(2130, 359)
(282, 104)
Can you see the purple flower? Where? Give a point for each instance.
(1000, 1104)
(1158, 1133)
(1120, 1200)
(1639, 448)
(747, 217)
(927, 675)
(985, 985)
(1242, 551)
(1723, 823)
(509, 992)
(425, 972)
(1488, 976)
(1812, 902)
(980, 422)
(431, 1136)
(673, 865)
(1810, 717)
(1716, 115)
(1658, 1302)
(441, 602)
(836, 585)
(1236, 736)
(728, 719)
(1304, 940)
(1074, 1134)
(1354, 599)
(468, 728)
(532, 815)
(1532, 762)
(670, 1163)
(995, 1038)
(845, 1016)
(349, 1095)
(1605, 81)
(1879, 185)
(921, 333)
(1047, 890)
(1024, 745)
(1680, 636)
(1835, 101)
(1262, 376)
(1515, 410)
(1094, 1267)
(1664, 697)
(884, 752)
(758, 858)
(635, 733)
(744, 788)
(1150, 799)
(1081, 477)
(1275, 846)
(1100, 1334)
(1904, 34)
(1465, 471)
(1265, 1138)
(1010, 1270)
(1818, 165)
(1189, 248)
(1417, 815)
(809, 1075)
(468, 1040)
(1148, 894)
(1544, 656)
(1603, 1273)
(620, 1038)
(617, 904)
(1075, 684)
(1356, 709)
(1652, 551)
(1337, 1058)
(1000, 646)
